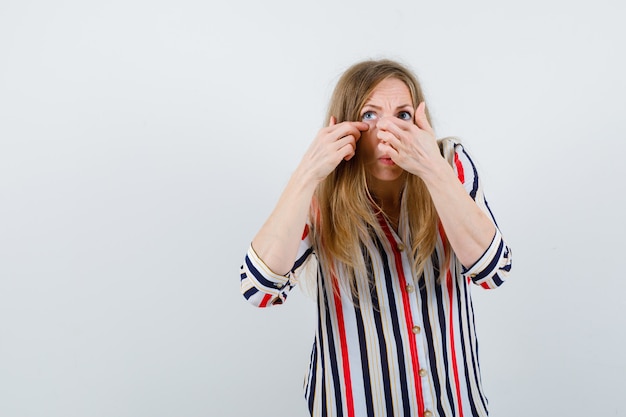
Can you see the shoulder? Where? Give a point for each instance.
(455, 152)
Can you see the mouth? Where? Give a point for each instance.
(385, 160)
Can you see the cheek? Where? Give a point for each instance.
(368, 143)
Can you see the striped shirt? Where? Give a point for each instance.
(406, 345)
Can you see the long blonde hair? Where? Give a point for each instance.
(344, 214)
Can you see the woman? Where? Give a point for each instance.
(400, 229)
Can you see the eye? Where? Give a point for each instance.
(368, 115)
(404, 115)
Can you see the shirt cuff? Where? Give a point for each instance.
(264, 276)
(485, 266)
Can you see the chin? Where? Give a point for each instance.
(389, 176)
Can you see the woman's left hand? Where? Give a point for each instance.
(413, 147)
(410, 144)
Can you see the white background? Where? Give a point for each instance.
(143, 143)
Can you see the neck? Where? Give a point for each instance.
(387, 195)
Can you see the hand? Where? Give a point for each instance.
(410, 144)
(333, 144)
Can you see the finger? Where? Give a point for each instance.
(348, 129)
(387, 136)
(420, 118)
(347, 147)
(396, 131)
(350, 155)
(387, 149)
(346, 140)
(361, 126)
(393, 133)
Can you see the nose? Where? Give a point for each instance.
(378, 123)
(384, 121)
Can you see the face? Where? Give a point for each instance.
(390, 99)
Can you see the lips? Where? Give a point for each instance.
(385, 160)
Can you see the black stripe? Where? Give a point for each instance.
(489, 210)
(367, 384)
(475, 187)
(443, 329)
(301, 260)
(462, 294)
(492, 265)
(497, 281)
(259, 276)
(324, 400)
(250, 293)
(429, 335)
(475, 183)
(322, 355)
(475, 355)
(332, 349)
(393, 314)
(311, 383)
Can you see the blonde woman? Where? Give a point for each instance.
(397, 228)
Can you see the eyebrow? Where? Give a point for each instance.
(404, 106)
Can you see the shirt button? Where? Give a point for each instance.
(400, 247)
(428, 414)
(423, 372)
(410, 288)
(416, 329)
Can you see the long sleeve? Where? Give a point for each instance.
(491, 270)
(396, 343)
(261, 286)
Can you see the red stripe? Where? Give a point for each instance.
(455, 368)
(408, 317)
(452, 347)
(306, 231)
(266, 299)
(459, 168)
(344, 350)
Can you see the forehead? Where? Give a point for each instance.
(390, 89)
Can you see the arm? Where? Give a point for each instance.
(412, 146)
(494, 264)
(280, 246)
(278, 240)
(468, 228)
(262, 287)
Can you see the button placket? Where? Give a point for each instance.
(416, 329)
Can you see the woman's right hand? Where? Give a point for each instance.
(278, 240)
(333, 144)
